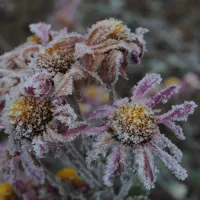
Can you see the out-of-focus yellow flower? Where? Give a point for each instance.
(97, 93)
(71, 175)
(6, 191)
(172, 80)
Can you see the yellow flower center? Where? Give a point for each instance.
(30, 114)
(133, 123)
(119, 32)
(56, 60)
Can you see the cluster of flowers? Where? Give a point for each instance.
(40, 76)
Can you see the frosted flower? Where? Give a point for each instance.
(108, 44)
(131, 129)
(34, 117)
(58, 56)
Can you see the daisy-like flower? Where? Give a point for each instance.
(35, 116)
(130, 130)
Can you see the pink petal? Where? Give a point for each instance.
(101, 112)
(163, 95)
(65, 136)
(174, 150)
(145, 85)
(41, 30)
(178, 112)
(146, 168)
(93, 131)
(111, 166)
(178, 131)
(170, 162)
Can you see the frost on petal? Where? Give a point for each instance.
(93, 131)
(174, 150)
(178, 131)
(101, 112)
(111, 166)
(81, 50)
(163, 95)
(32, 166)
(110, 67)
(145, 85)
(121, 102)
(146, 168)
(179, 112)
(170, 162)
(41, 30)
(40, 148)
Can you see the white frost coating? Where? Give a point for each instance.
(145, 85)
(163, 95)
(30, 168)
(179, 112)
(111, 166)
(99, 148)
(146, 167)
(101, 112)
(174, 150)
(81, 50)
(41, 30)
(177, 130)
(40, 147)
(170, 162)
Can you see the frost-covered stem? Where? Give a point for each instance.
(79, 163)
(74, 103)
(112, 93)
(126, 184)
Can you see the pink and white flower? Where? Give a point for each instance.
(34, 116)
(130, 129)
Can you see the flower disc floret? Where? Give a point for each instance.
(133, 123)
(30, 114)
(55, 60)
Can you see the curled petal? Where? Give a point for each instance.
(178, 112)
(145, 85)
(170, 162)
(102, 112)
(81, 50)
(163, 95)
(111, 166)
(38, 85)
(41, 30)
(110, 66)
(146, 168)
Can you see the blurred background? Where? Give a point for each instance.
(173, 45)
